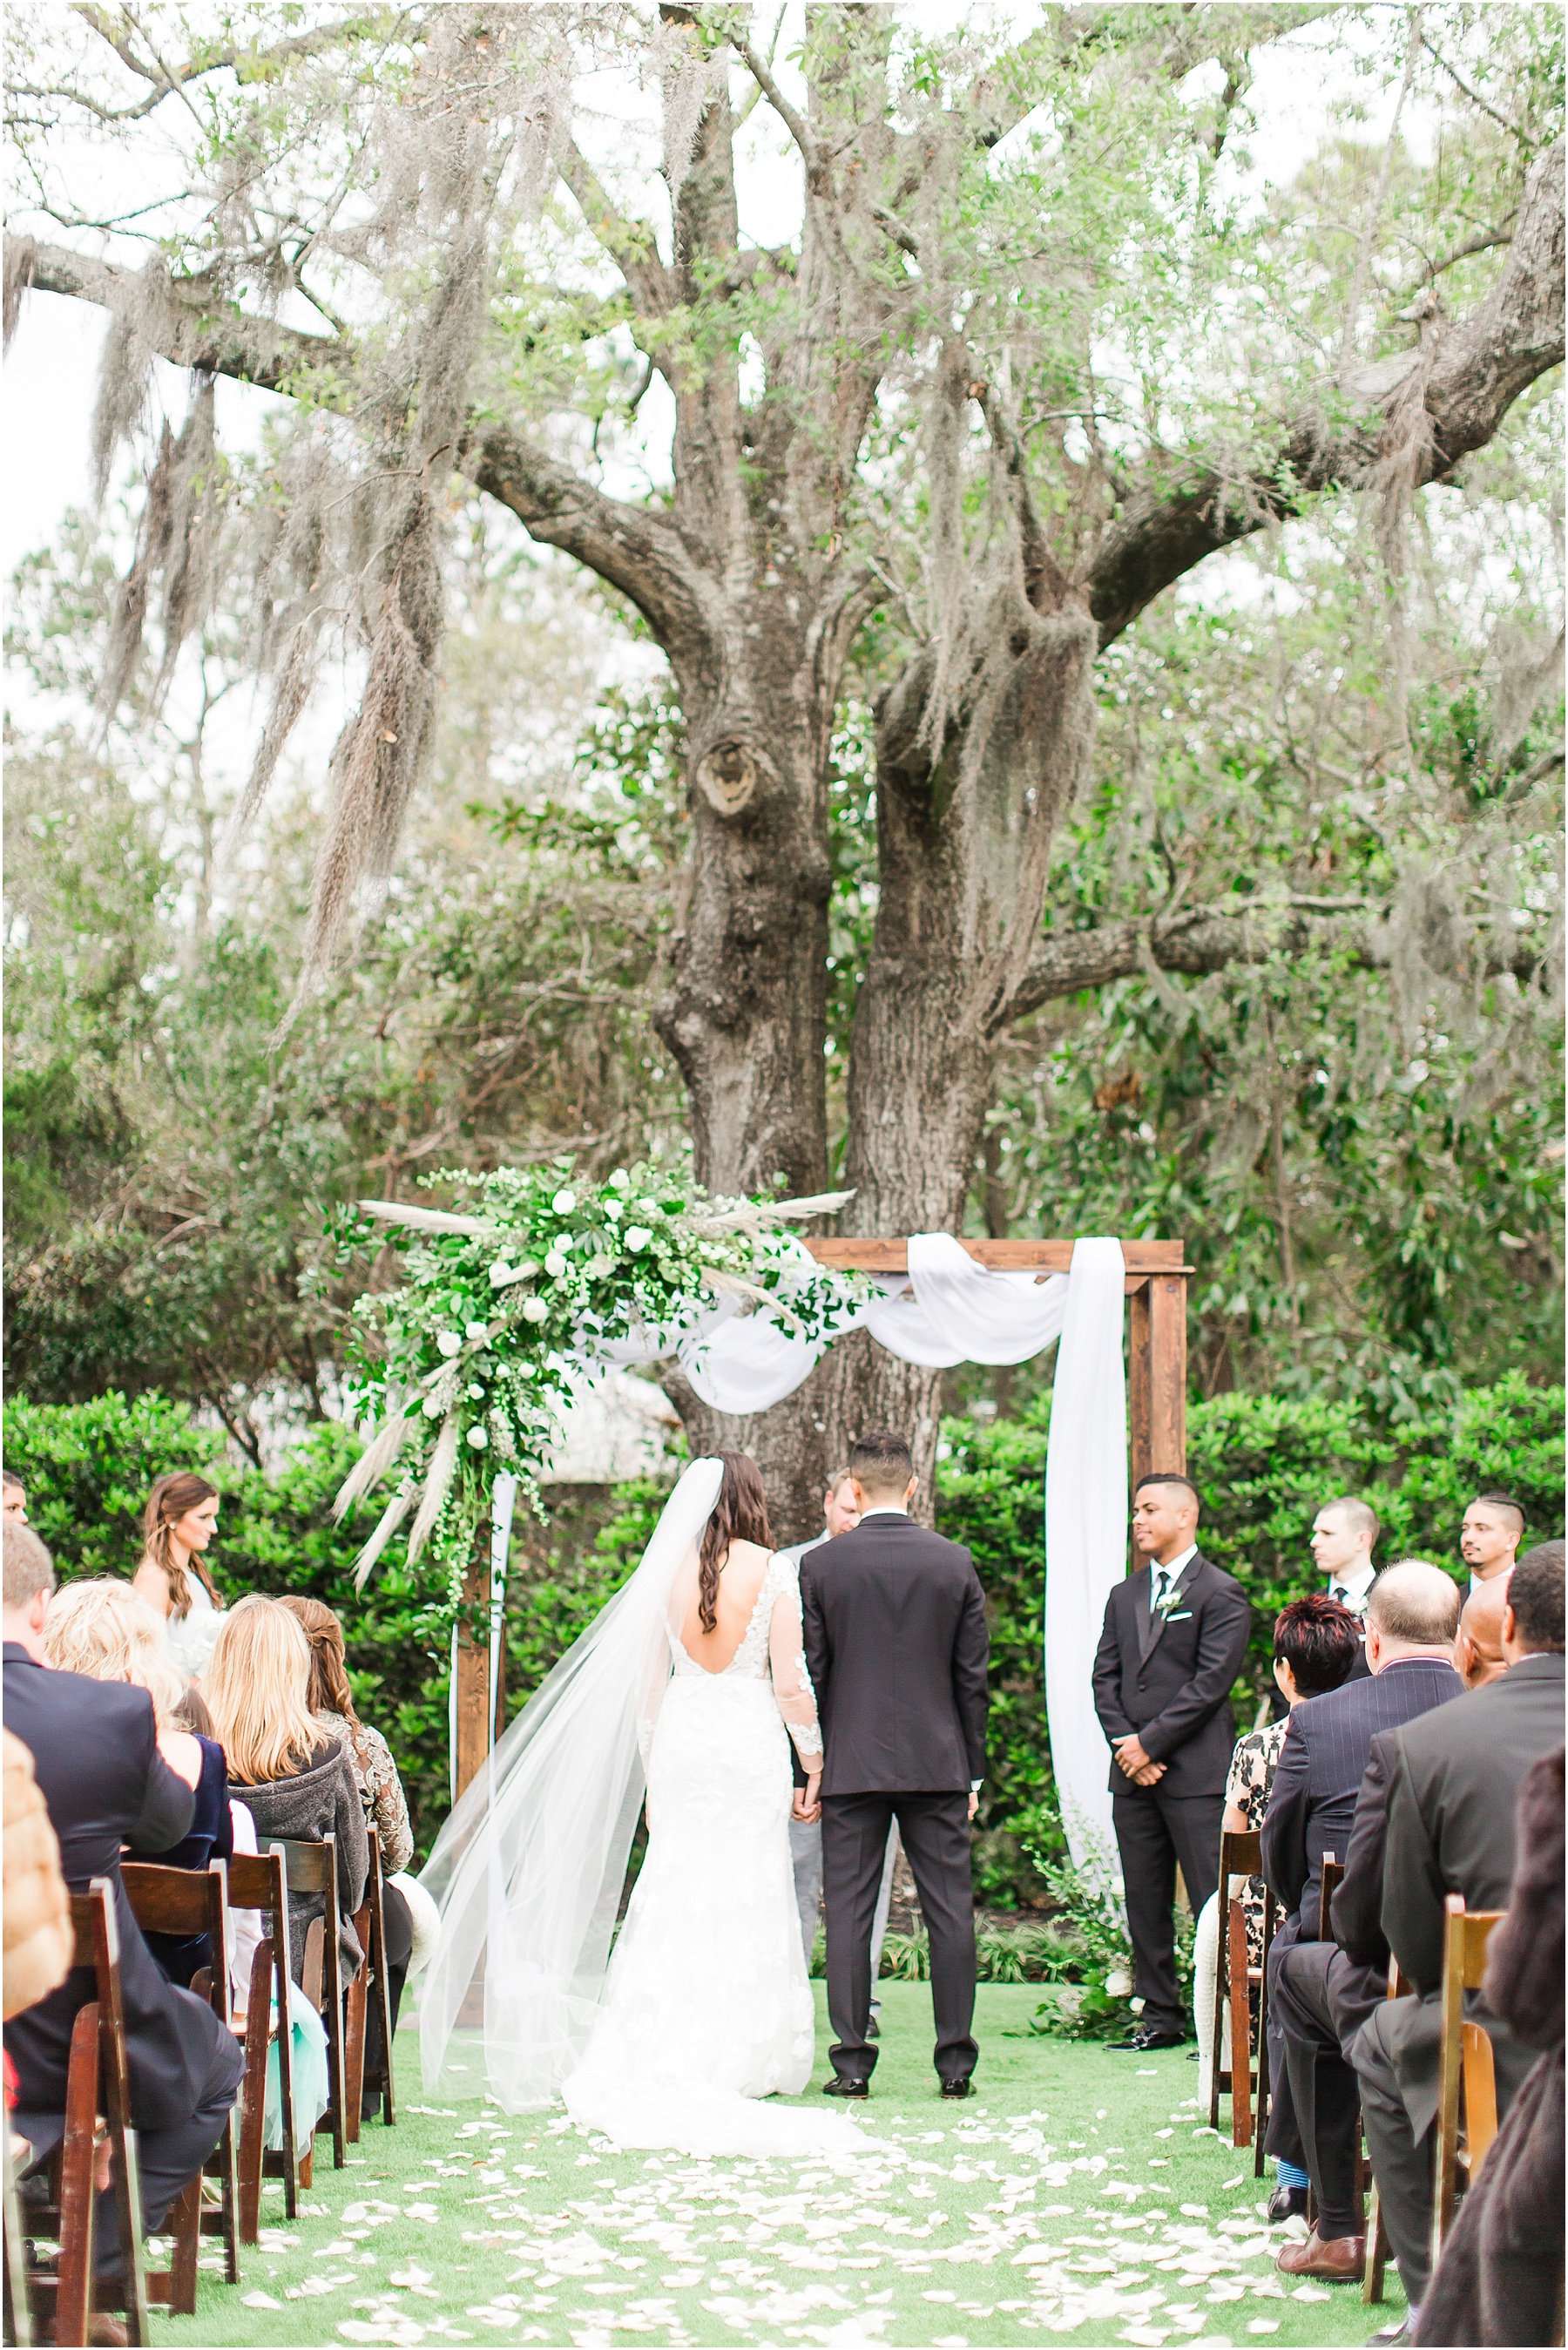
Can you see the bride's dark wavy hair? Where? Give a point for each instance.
(739, 1515)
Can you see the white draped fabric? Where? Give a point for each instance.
(948, 1309)
(1086, 1538)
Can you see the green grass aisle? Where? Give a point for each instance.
(1070, 2198)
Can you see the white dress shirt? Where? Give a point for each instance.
(1162, 1579)
(1351, 1589)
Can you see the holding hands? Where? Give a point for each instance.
(807, 1803)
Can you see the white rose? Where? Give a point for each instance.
(501, 1272)
(450, 1343)
(564, 1203)
(649, 1208)
(614, 1211)
(534, 1309)
(621, 1179)
(479, 1436)
(431, 1407)
(638, 1236)
(477, 1331)
(554, 1264)
(598, 1266)
(1119, 1983)
(475, 1392)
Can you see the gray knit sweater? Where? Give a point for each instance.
(317, 1801)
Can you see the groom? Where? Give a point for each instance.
(897, 1647)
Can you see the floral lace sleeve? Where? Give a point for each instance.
(387, 1803)
(786, 1657)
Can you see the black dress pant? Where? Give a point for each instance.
(167, 2159)
(399, 1931)
(1282, 2137)
(1155, 1831)
(1321, 1999)
(934, 1832)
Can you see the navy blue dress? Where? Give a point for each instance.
(210, 1838)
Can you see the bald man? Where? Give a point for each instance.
(1478, 1652)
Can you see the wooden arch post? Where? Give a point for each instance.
(1156, 1285)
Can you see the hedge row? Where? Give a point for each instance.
(1263, 1464)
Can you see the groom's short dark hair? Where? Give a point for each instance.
(882, 1462)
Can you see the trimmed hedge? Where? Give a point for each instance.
(1264, 1464)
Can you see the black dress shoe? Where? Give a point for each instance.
(839, 2086)
(958, 2086)
(1287, 2204)
(1141, 2043)
(873, 2030)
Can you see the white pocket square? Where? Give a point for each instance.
(1184, 1618)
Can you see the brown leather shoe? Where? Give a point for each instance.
(1340, 2260)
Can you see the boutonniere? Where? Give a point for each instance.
(1167, 1602)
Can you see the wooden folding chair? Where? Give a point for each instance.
(98, 2082)
(1376, 2227)
(1270, 1921)
(368, 1985)
(313, 1868)
(1332, 1872)
(256, 1881)
(1464, 2062)
(1241, 1856)
(186, 1902)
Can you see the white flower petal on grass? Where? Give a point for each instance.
(1310, 2291)
(1262, 2325)
(259, 2301)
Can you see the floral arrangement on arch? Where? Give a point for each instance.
(466, 1364)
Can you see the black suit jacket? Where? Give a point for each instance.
(1451, 1790)
(1311, 1805)
(1358, 1904)
(897, 1647)
(1171, 1680)
(95, 1756)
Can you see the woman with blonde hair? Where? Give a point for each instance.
(178, 1524)
(386, 1805)
(293, 1777)
(103, 1629)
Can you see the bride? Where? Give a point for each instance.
(688, 1686)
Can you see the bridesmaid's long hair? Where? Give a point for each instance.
(167, 1504)
(739, 1515)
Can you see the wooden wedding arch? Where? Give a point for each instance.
(1156, 1286)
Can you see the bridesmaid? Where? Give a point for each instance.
(180, 1520)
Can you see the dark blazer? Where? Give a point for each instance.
(95, 1756)
(1170, 1678)
(1311, 1805)
(897, 1647)
(1358, 1904)
(1452, 1787)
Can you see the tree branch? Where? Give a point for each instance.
(1211, 939)
(1475, 371)
(170, 79)
(631, 548)
(629, 243)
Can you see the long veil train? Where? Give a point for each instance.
(529, 1868)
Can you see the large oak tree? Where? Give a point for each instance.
(1034, 352)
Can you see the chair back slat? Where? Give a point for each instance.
(1466, 1934)
(1328, 1886)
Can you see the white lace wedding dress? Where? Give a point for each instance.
(707, 2007)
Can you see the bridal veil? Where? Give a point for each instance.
(529, 1869)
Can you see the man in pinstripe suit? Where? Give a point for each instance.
(1412, 1618)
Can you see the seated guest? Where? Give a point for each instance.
(39, 1943)
(1478, 1651)
(1317, 1644)
(1500, 2275)
(95, 1759)
(245, 1925)
(381, 1791)
(179, 1521)
(1452, 1787)
(1412, 1615)
(102, 1629)
(293, 1777)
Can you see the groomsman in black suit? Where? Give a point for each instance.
(896, 1646)
(1174, 1638)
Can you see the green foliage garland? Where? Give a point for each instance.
(467, 1364)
